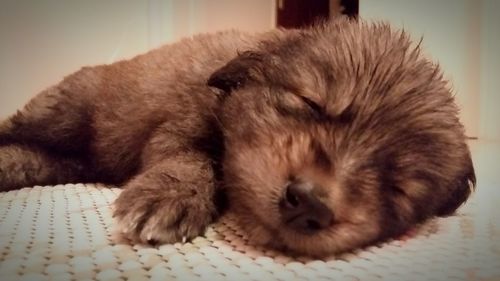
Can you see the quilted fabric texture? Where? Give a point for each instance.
(66, 233)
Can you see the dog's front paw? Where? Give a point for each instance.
(164, 217)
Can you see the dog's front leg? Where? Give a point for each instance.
(170, 201)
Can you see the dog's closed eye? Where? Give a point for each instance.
(314, 106)
(298, 105)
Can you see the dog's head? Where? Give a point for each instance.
(339, 136)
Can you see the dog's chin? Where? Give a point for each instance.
(339, 238)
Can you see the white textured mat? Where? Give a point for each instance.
(65, 233)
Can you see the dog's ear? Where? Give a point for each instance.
(238, 72)
(464, 185)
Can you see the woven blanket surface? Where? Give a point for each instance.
(66, 232)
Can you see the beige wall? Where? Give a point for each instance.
(463, 36)
(489, 107)
(44, 40)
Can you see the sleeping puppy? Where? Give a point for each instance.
(323, 140)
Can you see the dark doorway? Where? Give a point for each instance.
(302, 13)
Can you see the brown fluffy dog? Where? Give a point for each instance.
(324, 139)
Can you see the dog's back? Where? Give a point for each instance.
(104, 116)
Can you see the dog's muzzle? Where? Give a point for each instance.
(302, 210)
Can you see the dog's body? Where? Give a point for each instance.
(329, 138)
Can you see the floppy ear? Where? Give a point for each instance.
(464, 185)
(237, 72)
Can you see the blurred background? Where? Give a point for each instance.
(42, 41)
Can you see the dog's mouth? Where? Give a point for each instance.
(264, 231)
(291, 237)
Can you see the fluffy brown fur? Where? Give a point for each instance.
(350, 107)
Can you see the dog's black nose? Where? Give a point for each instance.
(302, 210)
